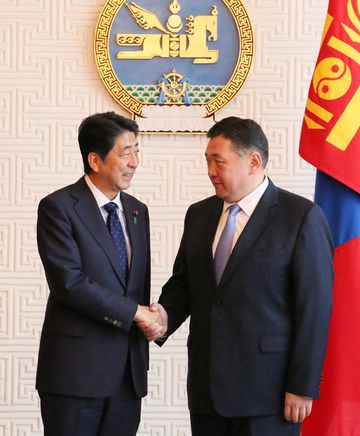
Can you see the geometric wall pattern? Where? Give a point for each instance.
(48, 84)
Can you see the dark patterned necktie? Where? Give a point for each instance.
(116, 231)
(223, 249)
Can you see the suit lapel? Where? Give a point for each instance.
(212, 217)
(133, 220)
(253, 229)
(88, 211)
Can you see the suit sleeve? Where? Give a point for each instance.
(175, 296)
(148, 259)
(312, 282)
(68, 283)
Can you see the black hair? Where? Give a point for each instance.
(98, 133)
(245, 135)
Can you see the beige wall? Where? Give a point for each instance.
(48, 83)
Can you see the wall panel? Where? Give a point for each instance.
(48, 84)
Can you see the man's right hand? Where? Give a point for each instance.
(156, 329)
(145, 315)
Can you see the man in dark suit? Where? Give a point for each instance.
(254, 273)
(93, 240)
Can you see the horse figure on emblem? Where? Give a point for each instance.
(193, 45)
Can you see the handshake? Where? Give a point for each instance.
(152, 321)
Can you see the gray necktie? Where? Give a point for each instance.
(223, 249)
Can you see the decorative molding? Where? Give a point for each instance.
(174, 119)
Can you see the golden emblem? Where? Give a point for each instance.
(168, 54)
(192, 44)
(174, 86)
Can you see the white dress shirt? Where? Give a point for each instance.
(101, 200)
(247, 205)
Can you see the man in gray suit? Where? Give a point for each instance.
(94, 243)
(254, 273)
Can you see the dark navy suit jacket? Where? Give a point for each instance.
(88, 333)
(263, 330)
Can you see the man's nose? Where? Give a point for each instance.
(211, 169)
(133, 160)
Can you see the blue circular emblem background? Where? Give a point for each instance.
(141, 71)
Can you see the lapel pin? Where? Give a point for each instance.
(135, 216)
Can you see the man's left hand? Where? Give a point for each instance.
(297, 408)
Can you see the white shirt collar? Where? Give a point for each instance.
(250, 201)
(100, 197)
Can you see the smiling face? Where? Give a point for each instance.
(233, 173)
(114, 173)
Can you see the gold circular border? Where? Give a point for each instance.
(128, 102)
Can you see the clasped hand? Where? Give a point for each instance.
(152, 321)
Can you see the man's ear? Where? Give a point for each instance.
(255, 162)
(94, 160)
